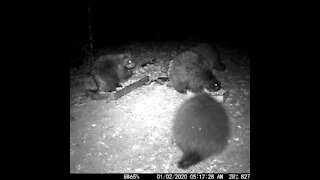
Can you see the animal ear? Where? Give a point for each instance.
(124, 56)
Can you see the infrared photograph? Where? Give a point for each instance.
(159, 90)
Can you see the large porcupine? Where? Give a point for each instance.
(200, 129)
(109, 70)
(189, 71)
(211, 55)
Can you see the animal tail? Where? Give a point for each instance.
(189, 159)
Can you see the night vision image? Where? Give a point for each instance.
(159, 91)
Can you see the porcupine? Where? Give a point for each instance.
(200, 129)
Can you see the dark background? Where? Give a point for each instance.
(118, 24)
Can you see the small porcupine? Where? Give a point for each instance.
(189, 71)
(200, 129)
(109, 70)
(211, 55)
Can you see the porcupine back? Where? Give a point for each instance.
(189, 72)
(200, 129)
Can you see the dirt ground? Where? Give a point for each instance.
(133, 134)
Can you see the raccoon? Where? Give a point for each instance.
(109, 70)
(200, 129)
(211, 55)
(189, 72)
